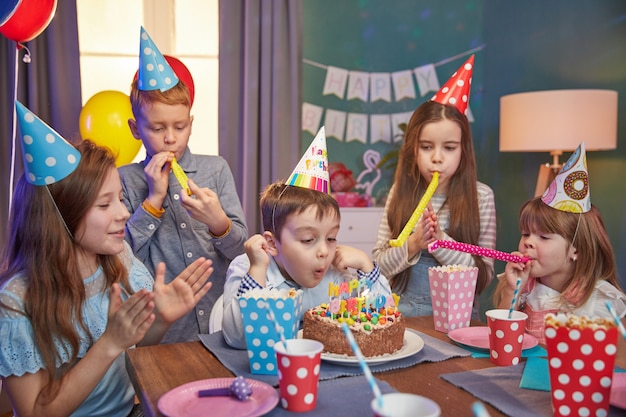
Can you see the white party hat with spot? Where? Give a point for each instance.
(155, 73)
(48, 157)
(312, 170)
(570, 189)
(456, 91)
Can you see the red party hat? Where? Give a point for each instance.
(455, 92)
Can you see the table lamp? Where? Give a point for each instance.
(557, 121)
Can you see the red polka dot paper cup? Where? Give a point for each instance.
(506, 336)
(581, 364)
(298, 373)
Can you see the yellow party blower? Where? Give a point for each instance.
(180, 176)
(421, 206)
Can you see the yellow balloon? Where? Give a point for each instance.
(104, 121)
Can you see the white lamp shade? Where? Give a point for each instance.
(558, 120)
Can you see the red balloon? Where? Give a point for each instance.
(30, 19)
(181, 71)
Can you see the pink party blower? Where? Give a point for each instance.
(477, 250)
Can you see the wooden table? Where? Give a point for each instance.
(154, 370)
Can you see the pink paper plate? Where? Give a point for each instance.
(478, 337)
(183, 401)
(618, 390)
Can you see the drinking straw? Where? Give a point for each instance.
(479, 409)
(277, 326)
(417, 213)
(477, 250)
(618, 322)
(514, 299)
(364, 367)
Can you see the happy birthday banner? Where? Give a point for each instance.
(374, 86)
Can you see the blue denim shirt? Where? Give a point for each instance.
(177, 239)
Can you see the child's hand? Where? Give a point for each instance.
(424, 233)
(257, 249)
(515, 270)
(128, 321)
(430, 226)
(205, 207)
(157, 176)
(174, 300)
(349, 257)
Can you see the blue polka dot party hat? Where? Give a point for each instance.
(48, 157)
(570, 189)
(154, 71)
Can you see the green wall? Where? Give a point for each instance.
(526, 46)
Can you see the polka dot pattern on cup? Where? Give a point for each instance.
(298, 377)
(506, 336)
(452, 291)
(260, 331)
(581, 369)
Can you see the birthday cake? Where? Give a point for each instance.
(377, 332)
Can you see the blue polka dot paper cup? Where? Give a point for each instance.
(581, 357)
(452, 289)
(260, 330)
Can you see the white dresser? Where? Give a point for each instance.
(359, 227)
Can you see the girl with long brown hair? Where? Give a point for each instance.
(73, 297)
(437, 139)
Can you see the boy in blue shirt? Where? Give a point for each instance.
(299, 246)
(166, 224)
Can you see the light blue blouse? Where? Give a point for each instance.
(114, 394)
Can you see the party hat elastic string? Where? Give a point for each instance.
(56, 208)
(274, 209)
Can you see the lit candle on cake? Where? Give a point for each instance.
(417, 213)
